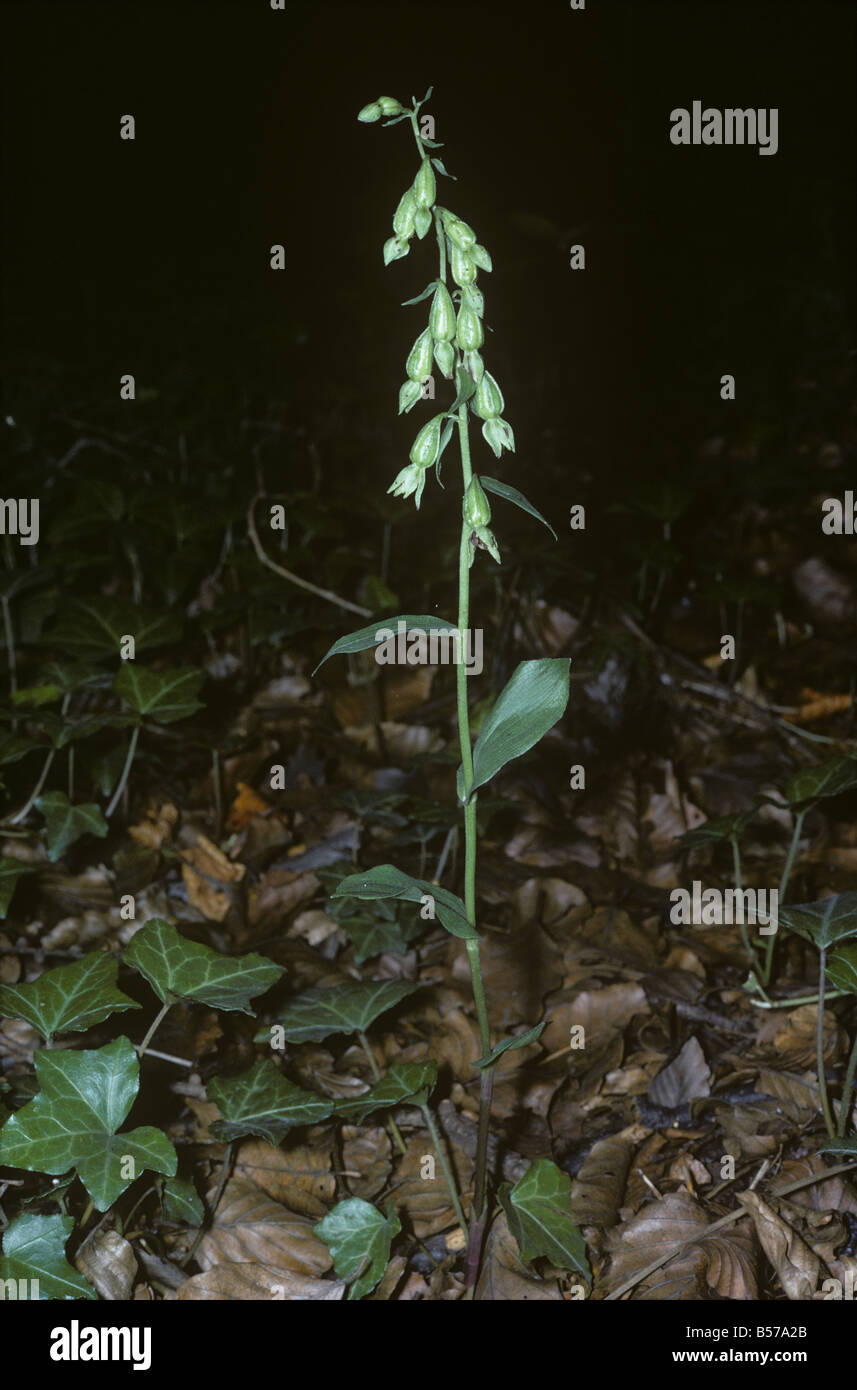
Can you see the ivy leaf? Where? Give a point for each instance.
(318, 1013)
(510, 1045)
(83, 1099)
(263, 1101)
(841, 969)
(182, 1202)
(366, 637)
(386, 881)
(374, 936)
(34, 1249)
(359, 1239)
(532, 702)
(70, 998)
(824, 779)
(164, 696)
(64, 823)
(412, 1081)
(511, 494)
(10, 871)
(96, 627)
(177, 968)
(824, 923)
(540, 1218)
(13, 749)
(722, 828)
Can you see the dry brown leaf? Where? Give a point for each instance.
(602, 1013)
(686, 1078)
(798, 1095)
(206, 858)
(796, 1265)
(250, 1226)
(390, 1281)
(426, 1200)
(246, 805)
(829, 1194)
(249, 1281)
(298, 1176)
(724, 1261)
(795, 1039)
(504, 1276)
(278, 892)
(157, 827)
(598, 1189)
(367, 1153)
(211, 902)
(108, 1262)
(610, 933)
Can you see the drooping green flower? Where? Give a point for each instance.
(498, 436)
(372, 112)
(410, 481)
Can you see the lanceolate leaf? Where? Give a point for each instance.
(359, 1239)
(263, 1101)
(177, 968)
(511, 494)
(829, 778)
(385, 881)
(10, 871)
(842, 969)
(723, 828)
(510, 1045)
(84, 1098)
(64, 823)
(845, 1148)
(317, 1013)
(532, 702)
(367, 637)
(824, 923)
(413, 1081)
(70, 998)
(164, 696)
(540, 1218)
(34, 1251)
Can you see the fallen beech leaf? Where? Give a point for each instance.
(685, 1079)
(426, 1200)
(108, 1262)
(504, 1276)
(157, 828)
(599, 1187)
(724, 1261)
(252, 1282)
(298, 1176)
(246, 805)
(367, 1153)
(250, 1226)
(797, 1267)
(211, 902)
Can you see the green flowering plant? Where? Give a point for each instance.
(536, 695)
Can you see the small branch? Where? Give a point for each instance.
(156, 1023)
(295, 578)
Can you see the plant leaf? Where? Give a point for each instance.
(404, 1081)
(511, 494)
(177, 968)
(532, 702)
(96, 627)
(367, 637)
(64, 823)
(823, 779)
(70, 998)
(359, 1239)
(182, 1202)
(824, 923)
(841, 969)
(84, 1098)
(13, 749)
(317, 1013)
(418, 299)
(263, 1101)
(538, 1209)
(465, 388)
(723, 828)
(164, 696)
(34, 1248)
(10, 871)
(373, 936)
(385, 881)
(510, 1045)
(847, 1148)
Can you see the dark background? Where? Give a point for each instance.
(152, 256)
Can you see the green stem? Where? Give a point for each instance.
(447, 1172)
(736, 865)
(845, 1103)
(10, 652)
(376, 1072)
(156, 1023)
(208, 1221)
(784, 883)
(819, 1040)
(132, 748)
(794, 1000)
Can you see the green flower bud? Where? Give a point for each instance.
(395, 249)
(426, 446)
(403, 218)
(488, 398)
(418, 365)
(409, 394)
(389, 106)
(442, 316)
(478, 254)
(372, 112)
(472, 295)
(425, 188)
(498, 435)
(474, 364)
(462, 267)
(411, 480)
(476, 510)
(469, 335)
(444, 356)
(422, 221)
(485, 540)
(459, 232)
